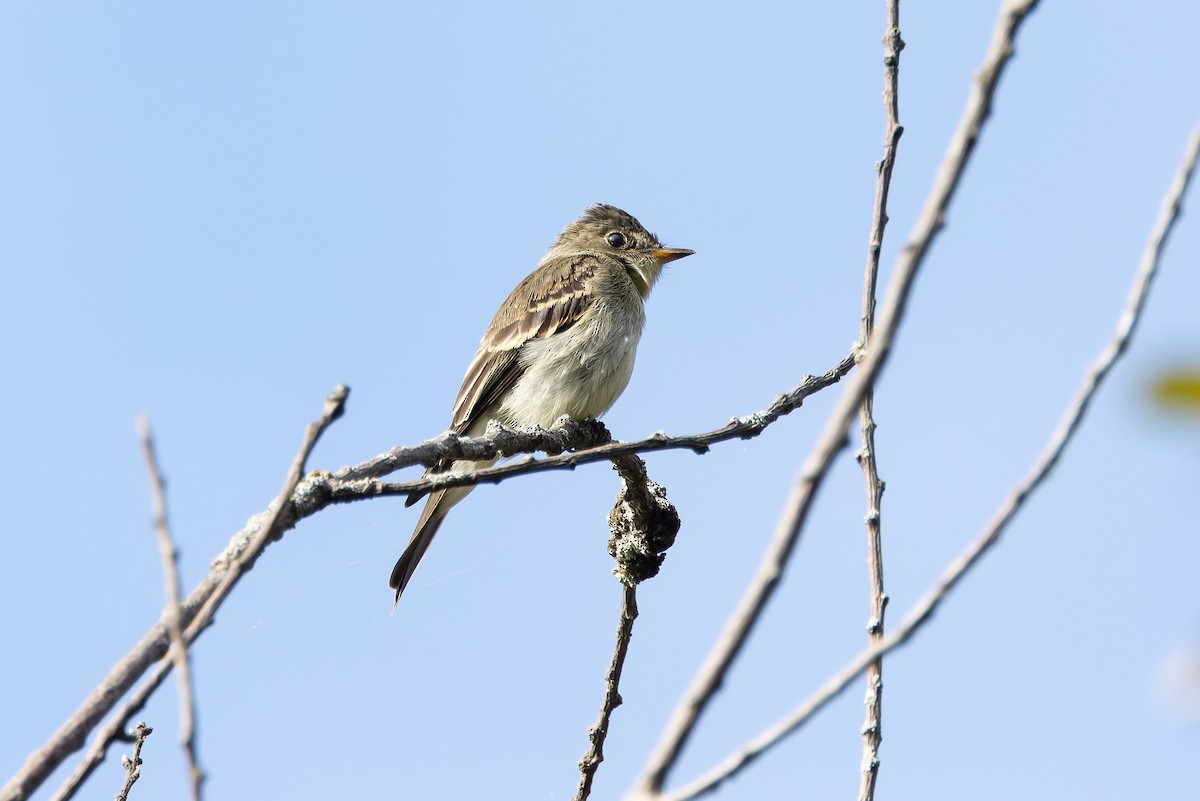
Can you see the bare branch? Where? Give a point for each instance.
(923, 610)
(612, 697)
(643, 525)
(716, 665)
(133, 765)
(179, 652)
(196, 613)
(872, 730)
(320, 489)
(587, 441)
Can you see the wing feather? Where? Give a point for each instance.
(543, 305)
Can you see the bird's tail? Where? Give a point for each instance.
(422, 538)
(440, 502)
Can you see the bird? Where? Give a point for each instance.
(562, 343)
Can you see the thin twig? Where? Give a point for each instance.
(872, 730)
(612, 697)
(737, 628)
(133, 765)
(923, 610)
(269, 528)
(643, 525)
(179, 652)
(316, 491)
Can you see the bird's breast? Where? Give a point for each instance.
(579, 372)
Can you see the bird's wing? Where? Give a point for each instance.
(541, 306)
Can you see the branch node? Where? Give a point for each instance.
(643, 523)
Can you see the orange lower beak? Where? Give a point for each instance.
(664, 255)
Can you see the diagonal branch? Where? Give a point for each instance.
(737, 629)
(923, 611)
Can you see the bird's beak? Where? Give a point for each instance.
(664, 255)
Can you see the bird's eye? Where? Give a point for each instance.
(616, 239)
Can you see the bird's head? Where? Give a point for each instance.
(608, 231)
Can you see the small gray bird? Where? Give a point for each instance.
(562, 343)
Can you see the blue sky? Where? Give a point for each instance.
(215, 213)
